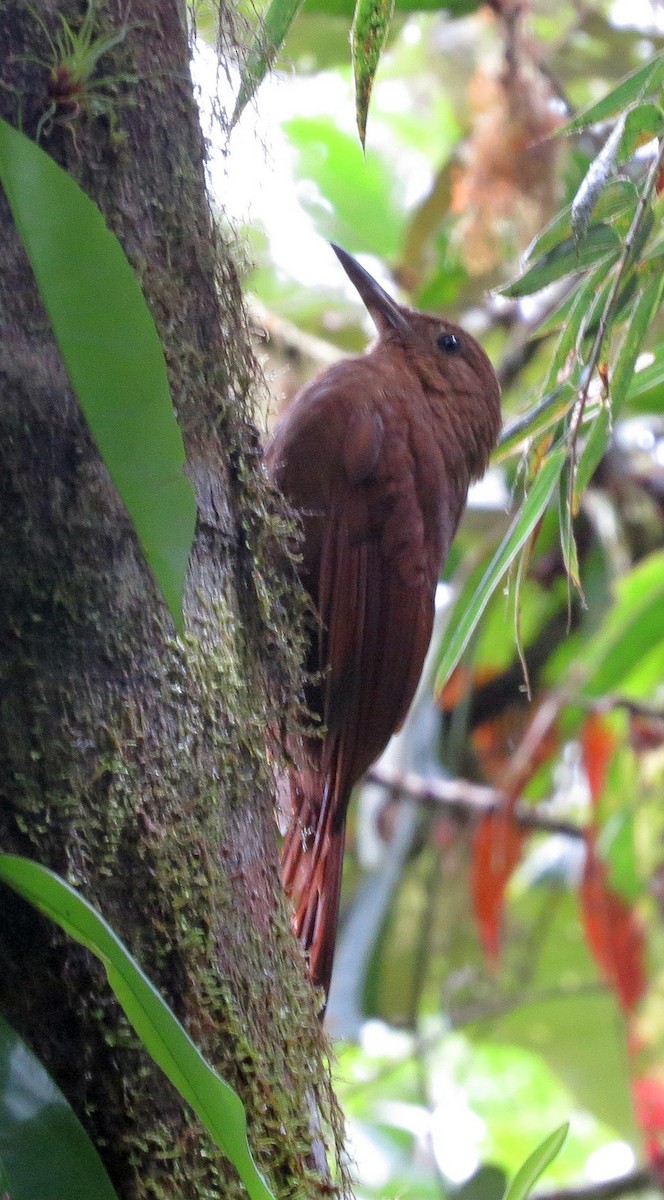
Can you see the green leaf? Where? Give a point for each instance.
(632, 630)
(593, 450)
(632, 127)
(567, 345)
(111, 349)
(641, 315)
(542, 416)
(567, 538)
(369, 30)
(44, 1149)
(535, 1165)
(618, 200)
(601, 244)
(645, 393)
(644, 82)
(267, 42)
(214, 1101)
(520, 530)
(361, 202)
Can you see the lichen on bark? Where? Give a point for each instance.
(134, 763)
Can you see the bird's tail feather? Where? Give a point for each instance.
(311, 865)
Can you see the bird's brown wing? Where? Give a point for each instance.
(376, 583)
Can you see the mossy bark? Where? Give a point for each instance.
(133, 762)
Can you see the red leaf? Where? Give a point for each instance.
(598, 742)
(648, 1092)
(613, 932)
(497, 845)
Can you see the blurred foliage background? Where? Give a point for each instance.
(500, 965)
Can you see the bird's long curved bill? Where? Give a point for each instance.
(382, 308)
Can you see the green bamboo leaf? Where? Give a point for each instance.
(641, 317)
(44, 1149)
(111, 349)
(595, 180)
(647, 81)
(600, 245)
(618, 200)
(541, 417)
(535, 1165)
(566, 526)
(371, 24)
(633, 126)
(520, 530)
(567, 344)
(593, 451)
(214, 1101)
(264, 49)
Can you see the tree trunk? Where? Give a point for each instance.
(134, 762)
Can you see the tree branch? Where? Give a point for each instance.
(465, 801)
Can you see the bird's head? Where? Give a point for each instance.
(452, 367)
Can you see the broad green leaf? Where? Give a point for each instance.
(520, 530)
(616, 845)
(536, 1164)
(214, 1101)
(601, 244)
(369, 30)
(111, 349)
(641, 316)
(267, 42)
(632, 630)
(44, 1149)
(361, 204)
(644, 82)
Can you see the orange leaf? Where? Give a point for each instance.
(598, 742)
(613, 932)
(497, 845)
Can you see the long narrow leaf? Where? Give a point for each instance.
(644, 82)
(542, 416)
(522, 526)
(218, 1106)
(535, 1165)
(618, 200)
(44, 1149)
(641, 316)
(111, 349)
(370, 28)
(264, 49)
(601, 244)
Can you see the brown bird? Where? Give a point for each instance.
(376, 455)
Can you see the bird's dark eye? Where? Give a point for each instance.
(448, 342)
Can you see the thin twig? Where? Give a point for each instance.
(465, 801)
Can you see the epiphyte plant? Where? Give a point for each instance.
(73, 89)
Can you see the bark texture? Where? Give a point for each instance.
(132, 762)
